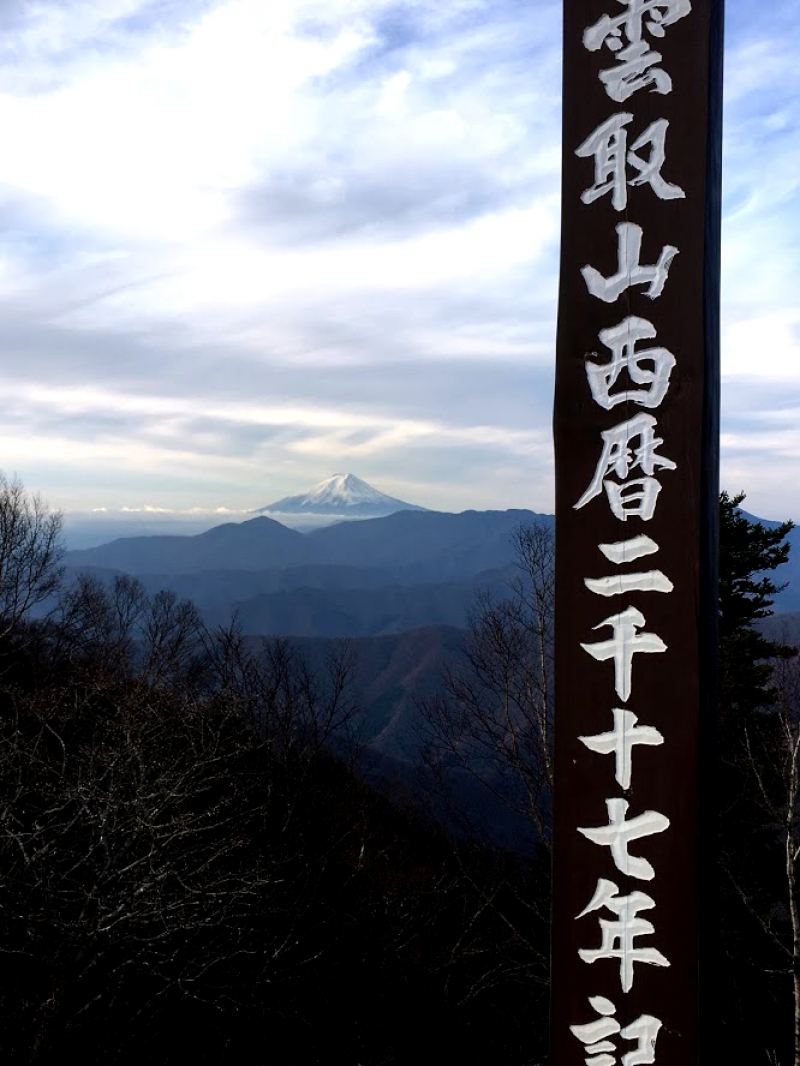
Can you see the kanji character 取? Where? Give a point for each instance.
(608, 145)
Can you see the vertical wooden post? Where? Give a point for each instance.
(636, 430)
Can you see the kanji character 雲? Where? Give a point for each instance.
(635, 67)
(654, 15)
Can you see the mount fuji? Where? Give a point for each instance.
(340, 496)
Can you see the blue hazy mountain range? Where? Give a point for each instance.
(401, 587)
(378, 575)
(381, 575)
(442, 544)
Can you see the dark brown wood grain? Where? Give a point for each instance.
(671, 691)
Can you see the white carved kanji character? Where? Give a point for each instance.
(627, 551)
(645, 1031)
(650, 169)
(629, 269)
(618, 937)
(609, 146)
(622, 647)
(619, 833)
(621, 340)
(655, 15)
(634, 499)
(635, 63)
(635, 69)
(594, 1036)
(618, 457)
(620, 584)
(620, 742)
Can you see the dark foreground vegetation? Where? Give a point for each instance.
(188, 874)
(192, 868)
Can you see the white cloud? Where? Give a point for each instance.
(147, 145)
(261, 240)
(765, 346)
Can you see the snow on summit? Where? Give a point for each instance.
(343, 495)
(345, 489)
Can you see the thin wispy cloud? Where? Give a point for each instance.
(245, 244)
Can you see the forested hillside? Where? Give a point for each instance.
(197, 863)
(191, 874)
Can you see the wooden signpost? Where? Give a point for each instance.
(636, 438)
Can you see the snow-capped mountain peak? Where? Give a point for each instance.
(345, 488)
(343, 494)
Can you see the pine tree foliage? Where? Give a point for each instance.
(757, 796)
(749, 553)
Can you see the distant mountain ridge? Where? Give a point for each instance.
(344, 495)
(440, 546)
(250, 545)
(362, 577)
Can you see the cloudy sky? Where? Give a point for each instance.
(247, 244)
